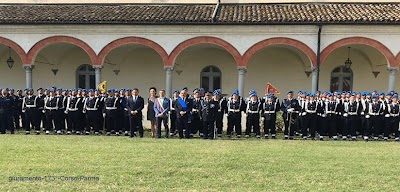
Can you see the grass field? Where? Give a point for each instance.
(124, 164)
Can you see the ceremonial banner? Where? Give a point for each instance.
(269, 88)
(102, 86)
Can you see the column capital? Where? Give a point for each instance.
(168, 68)
(314, 69)
(28, 66)
(242, 69)
(392, 69)
(97, 66)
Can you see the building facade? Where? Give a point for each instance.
(210, 46)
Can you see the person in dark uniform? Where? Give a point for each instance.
(351, 113)
(74, 113)
(331, 111)
(121, 117)
(392, 118)
(40, 105)
(172, 113)
(19, 116)
(31, 111)
(235, 107)
(92, 109)
(183, 107)
(374, 110)
(161, 109)
(5, 112)
(253, 110)
(269, 109)
(219, 116)
(209, 108)
(52, 112)
(62, 95)
(111, 111)
(101, 97)
(16, 108)
(135, 105)
(310, 117)
(126, 115)
(196, 124)
(290, 108)
(321, 124)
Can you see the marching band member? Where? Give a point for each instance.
(253, 115)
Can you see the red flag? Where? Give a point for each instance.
(269, 88)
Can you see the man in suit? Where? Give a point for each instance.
(135, 105)
(161, 109)
(183, 107)
(290, 108)
(209, 108)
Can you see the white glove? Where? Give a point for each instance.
(245, 114)
(345, 115)
(227, 115)
(304, 113)
(84, 111)
(262, 118)
(387, 115)
(367, 116)
(323, 115)
(66, 112)
(290, 110)
(23, 111)
(104, 115)
(362, 113)
(126, 109)
(43, 111)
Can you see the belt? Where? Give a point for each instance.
(374, 114)
(234, 110)
(73, 109)
(312, 112)
(31, 106)
(111, 108)
(330, 112)
(253, 112)
(394, 115)
(352, 113)
(51, 108)
(195, 110)
(91, 109)
(269, 112)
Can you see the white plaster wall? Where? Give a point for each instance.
(14, 77)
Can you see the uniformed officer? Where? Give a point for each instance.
(5, 112)
(196, 124)
(235, 107)
(219, 116)
(374, 110)
(290, 108)
(121, 117)
(18, 110)
(92, 109)
(392, 118)
(74, 113)
(253, 110)
(351, 114)
(51, 110)
(310, 117)
(111, 111)
(31, 111)
(331, 112)
(269, 109)
(40, 104)
(128, 94)
(209, 108)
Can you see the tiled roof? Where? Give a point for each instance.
(305, 13)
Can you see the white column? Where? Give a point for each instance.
(241, 72)
(314, 79)
(392, 77)
(97, 74)
(28, 75)
(168, 80)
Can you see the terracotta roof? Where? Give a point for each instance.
(305, 13)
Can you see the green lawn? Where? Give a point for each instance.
(124, 164)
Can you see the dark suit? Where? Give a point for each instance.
(182, 121)
(135, 120)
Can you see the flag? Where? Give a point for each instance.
(269, 88)
(102, 86)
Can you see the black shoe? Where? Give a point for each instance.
(273, 137)
(290, 138)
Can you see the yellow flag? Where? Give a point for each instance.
(102, 86)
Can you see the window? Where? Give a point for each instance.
(210, 78)
(85, 77)
(341, 79)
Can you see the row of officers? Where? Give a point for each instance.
(338, 115)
